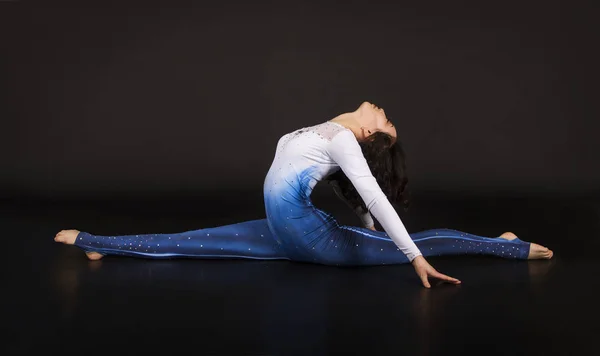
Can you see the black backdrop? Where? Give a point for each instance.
(183, 98)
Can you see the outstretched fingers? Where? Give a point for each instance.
(425, 270)
(443, 277)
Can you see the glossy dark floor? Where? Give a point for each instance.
(57, 300)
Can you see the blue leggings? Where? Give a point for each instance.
(307, 235)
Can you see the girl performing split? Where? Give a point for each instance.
(358, 153)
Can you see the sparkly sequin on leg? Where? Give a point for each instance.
(249, 239)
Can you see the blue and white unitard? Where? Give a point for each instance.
(294, 229)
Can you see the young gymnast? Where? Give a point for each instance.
(358, 153)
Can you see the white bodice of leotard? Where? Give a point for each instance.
(315, 152)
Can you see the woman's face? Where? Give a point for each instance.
(376, 118)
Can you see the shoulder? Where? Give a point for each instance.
(344, 149)
(344, 139)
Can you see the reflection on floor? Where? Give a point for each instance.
(57, 300)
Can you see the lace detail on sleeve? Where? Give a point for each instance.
(326, 130)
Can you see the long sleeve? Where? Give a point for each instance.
(364, 216)
(347, 154)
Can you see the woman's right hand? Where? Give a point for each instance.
(425, 270)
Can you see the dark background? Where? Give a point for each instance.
(157, 117)
(183, 99)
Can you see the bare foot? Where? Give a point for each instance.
(68, 237)
(536, 251)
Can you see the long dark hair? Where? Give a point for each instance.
(387, 162)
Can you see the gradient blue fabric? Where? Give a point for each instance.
(297, 230)
(294, 229)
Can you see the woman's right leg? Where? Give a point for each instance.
(449, 242)
(356, 246)
(249, 239)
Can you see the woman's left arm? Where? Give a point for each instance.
(347, 153)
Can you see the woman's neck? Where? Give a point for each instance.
(350, 120)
